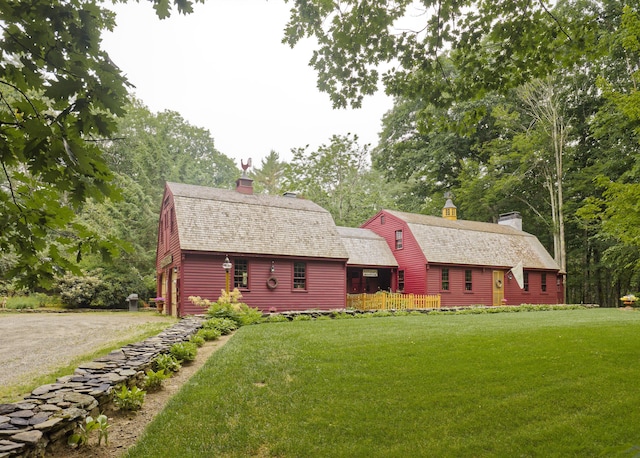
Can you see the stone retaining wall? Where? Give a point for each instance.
(51, 412)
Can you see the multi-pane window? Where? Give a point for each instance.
(398, 239)
(543, 284)
(240, 273)
(445, 280)
(526, 281)
(299, 275)
(468, 283)
(382, 221)
(401, 280)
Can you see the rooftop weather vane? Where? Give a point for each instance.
(245, 167)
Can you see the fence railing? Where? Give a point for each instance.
(392, 301)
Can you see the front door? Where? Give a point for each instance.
(175, 295)
(498, 287)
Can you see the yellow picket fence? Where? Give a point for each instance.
(392, 301)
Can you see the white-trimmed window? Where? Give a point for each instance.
(240, 273)
(299, 275)
(399, 239)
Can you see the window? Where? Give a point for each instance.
(299, 275)
(401, 280)
(445, 280)
(240, 273)
(468, 284)
(543, 284)
(526, 281)
(382, 219)
(398, 239)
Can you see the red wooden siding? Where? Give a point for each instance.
(516, 296)
(410, 257)
(168, 256)
(482, 287)
(326, 282)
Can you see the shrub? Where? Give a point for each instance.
(23, 302)
(76, 291)
(382, 313)
(153, 379)
(166, 363)
(101, 424)
(323, 318)
(209, 334)
(249, 315)
(184, 351)
(224, 325)
(302, 318)
(129, 399)
(196, 339)
(229, 306)
(276, 318)
(341, 315)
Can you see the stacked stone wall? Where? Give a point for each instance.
(52, 412)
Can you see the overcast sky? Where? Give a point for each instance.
(225, 69)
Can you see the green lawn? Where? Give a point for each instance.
(541, 384)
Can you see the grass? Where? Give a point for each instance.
(15, 392)
(546, 384)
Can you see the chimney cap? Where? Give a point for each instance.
(509, 215)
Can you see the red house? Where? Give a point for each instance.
(285, 252)
(469, 262)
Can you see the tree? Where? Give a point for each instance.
(268, 177)
(541, 101)
(154, 148)
(151, 148)
(338, 178)
(610, 213)
(492, 46)
(59, 96)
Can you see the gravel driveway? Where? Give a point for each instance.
(36, 343)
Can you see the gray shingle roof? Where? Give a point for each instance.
(366, 248)
(475, 243)
(220, 220)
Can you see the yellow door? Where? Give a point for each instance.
(174, 295)
(498, 287)
(163, 283)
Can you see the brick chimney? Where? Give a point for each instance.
(244, 185)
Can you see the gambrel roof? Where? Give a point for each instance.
(475, 243)
(366, 248)
(226, 221)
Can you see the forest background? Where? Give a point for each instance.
(508, 106)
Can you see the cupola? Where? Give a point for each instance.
(449, 211)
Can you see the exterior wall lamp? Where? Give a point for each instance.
(273, 267)
(226, 265)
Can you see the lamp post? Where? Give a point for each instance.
(226, 265)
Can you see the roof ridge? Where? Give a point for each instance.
(462, 224)
(232, 196)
